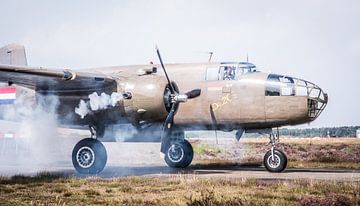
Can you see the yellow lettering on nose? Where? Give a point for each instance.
(215, 106)
(224, 100)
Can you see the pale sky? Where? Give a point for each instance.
(316, 40)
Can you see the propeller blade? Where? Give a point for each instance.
(170, 118)
(193, 93)
(167, 128)
(166, 75)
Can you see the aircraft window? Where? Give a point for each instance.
(287, 91)
(287, 80)
(301, 91)
(272, 90)
(287, 88)
(301, 88)
(301, 83)
(247, 69)
(273, 78)
(228, 72)
(272, 85)
(279, 85)
(212, 73)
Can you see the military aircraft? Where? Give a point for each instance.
(223, 96)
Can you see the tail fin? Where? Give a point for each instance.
(13, 54)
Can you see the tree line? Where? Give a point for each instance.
(349, 131)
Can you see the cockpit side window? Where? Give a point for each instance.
(212, 74)
(228, 72)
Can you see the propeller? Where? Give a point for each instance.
(175, 99)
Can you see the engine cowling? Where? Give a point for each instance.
(149, 98)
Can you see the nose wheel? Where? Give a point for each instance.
(89, 156)
(275, 160)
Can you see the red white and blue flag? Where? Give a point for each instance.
(7, 95)
(7, 135)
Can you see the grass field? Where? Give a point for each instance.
(302, 153)
(46, 189)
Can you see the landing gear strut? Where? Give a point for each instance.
(89, 155)
(275, 160)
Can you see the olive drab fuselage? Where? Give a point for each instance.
(240, 96)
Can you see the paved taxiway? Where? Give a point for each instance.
(143, 159)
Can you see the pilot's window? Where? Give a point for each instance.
(228, 72)
(212, 73)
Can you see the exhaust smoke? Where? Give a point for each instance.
(37, 144)
(96, 103)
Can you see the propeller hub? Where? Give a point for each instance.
(177, 98)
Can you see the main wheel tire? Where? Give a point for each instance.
(278, 164)
(89, 156)
(179, 154)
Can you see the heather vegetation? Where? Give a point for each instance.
(54, 189)
(302, 153)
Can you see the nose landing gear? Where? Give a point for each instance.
(275, 160)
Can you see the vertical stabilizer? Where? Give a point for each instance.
(13, 54)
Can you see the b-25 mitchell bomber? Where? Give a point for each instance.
(223, 96)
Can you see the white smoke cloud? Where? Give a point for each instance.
(36, 131)
(96, 102)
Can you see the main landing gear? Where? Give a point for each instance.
(178, 151)
(89, 155)
(275, 160)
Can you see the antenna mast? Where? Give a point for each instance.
(211, 54)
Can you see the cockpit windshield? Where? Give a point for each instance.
(229, 70)
(246, 67)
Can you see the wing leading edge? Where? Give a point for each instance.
(55, 80)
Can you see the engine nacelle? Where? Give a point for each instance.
(148, 98)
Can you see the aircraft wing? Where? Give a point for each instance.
(52, 80)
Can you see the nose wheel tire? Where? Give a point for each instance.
(89, 156)
(179, 154)
(277, 163)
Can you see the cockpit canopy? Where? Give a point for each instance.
(229, 70)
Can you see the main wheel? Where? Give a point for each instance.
(276, 164)
(179, 154)
(89, 156)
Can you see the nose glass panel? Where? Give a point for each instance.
(317, 98)
(279, 85)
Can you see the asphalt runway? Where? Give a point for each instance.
(198, 171)
(143, 159)
(53, 154)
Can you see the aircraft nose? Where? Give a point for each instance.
(317, 100)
